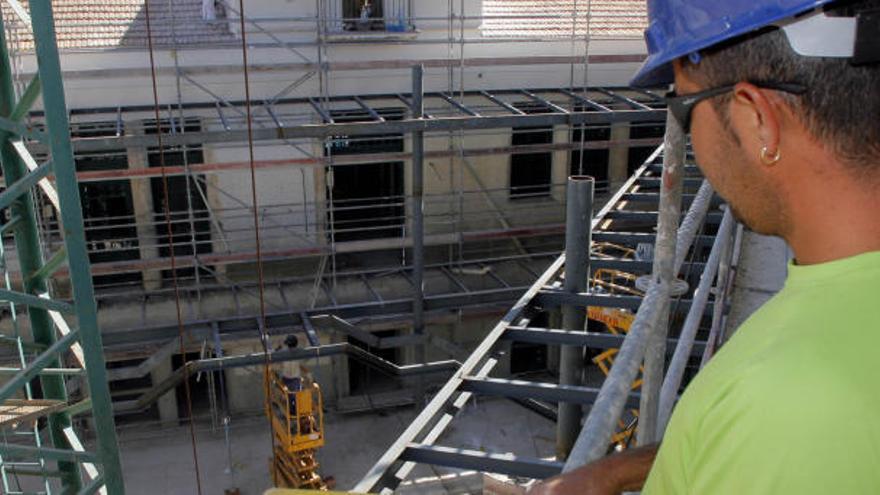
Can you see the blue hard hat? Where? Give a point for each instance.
(677, 28)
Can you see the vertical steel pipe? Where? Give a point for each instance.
(726, 276)
(418, 208)
(578, 231)
(664, 273)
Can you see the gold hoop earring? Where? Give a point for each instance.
(769, 159)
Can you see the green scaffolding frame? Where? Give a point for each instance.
(21, 177)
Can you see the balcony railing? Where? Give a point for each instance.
(365, 16)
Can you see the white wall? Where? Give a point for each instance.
(121, 76)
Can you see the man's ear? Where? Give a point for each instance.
(758, 115)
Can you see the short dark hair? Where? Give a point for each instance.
(842, 103)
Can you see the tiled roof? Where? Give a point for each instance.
(121, 23)
(559, 18)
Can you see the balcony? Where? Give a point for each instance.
(366, 20)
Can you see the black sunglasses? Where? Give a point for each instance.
(681, 106)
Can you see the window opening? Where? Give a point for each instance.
(107, 207)
(363, 379)
(531, 172)
(368, 198)
(638, 154)
(595, 161)
(178, 202)
(363, 15)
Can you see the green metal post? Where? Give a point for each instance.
(27, 244)
(58, 128)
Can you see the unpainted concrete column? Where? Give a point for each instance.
(142, 203)
(167, 403)
(618, 155)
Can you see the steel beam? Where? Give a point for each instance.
(27, 238)
(507, 106)
(323, 113)
(550, 298)
(70, 215)
(460, 106)
(258, 358)
(11, 451)
(284, 320)
(550, 392)
(46, 359)
(586, 101)
(372, 113)
(595, 340)
(625, 99)
(342, 326)
(311, 335)
(478, 460)
(23, 185)
(324, 130)
(34, 301)
(656, 182)
(547, 104)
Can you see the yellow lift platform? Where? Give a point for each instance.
(295, 409)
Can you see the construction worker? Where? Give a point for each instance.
(782, 101)
(290, 371)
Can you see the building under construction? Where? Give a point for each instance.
(443, 216)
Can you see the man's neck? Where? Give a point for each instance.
(834, 216)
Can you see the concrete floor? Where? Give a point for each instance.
(161, 461)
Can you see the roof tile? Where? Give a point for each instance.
(564, 18)
(120, 23)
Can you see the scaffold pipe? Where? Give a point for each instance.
(592, 443)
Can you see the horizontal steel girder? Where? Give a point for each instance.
(550, 392)
(508, 464)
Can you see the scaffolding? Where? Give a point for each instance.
(478, 375)
(44, 353)
(472, 246)
(203, 226)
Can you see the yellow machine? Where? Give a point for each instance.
(297, 419)
(617, 321)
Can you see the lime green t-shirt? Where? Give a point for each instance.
(791, 404)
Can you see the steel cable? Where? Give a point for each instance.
(170, 232)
